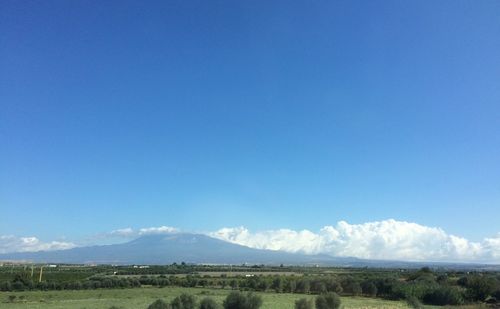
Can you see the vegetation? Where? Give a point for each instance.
(238, 300)
(159, 304)
(145, 296)
(183, 301)
(416, 287)
(303, 303)
(208, 303)
(328, 301)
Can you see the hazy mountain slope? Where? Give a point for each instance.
(169, 248)
(202, 249)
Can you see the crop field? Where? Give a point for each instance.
(141, 298)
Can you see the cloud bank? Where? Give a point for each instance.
(131, 233)
(386, 240)
(10, 243)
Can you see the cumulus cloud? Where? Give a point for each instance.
(492, 245)
(388, 240)
(384, 240)
(10, 243)
(126, 232)
(131, 233)
(158, 230)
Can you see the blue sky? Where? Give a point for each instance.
(263, 114)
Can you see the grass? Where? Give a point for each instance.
(142, 297)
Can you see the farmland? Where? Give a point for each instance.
(141, 298)
(81, 286)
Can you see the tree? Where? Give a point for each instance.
(480, 287)
(328, 301)
(253, 301)
(277, 284)
(5, 286)
(303, 286)
(333, 286)
(237, 300)
(290, 286)
(208, 303)
(184, 301)
(413, 302)
(318, 286)
(303, 303)
(159, 304)
(351, 286)
(443, 296)
(369, 288)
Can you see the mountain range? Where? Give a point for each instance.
(170, 248)
(164, 249)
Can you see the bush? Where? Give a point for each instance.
(328, 301)
(413, 302)
(208, 303)
(443, 296)
(237, 300)
(369, 288)
(159, 304)
(303, 303)
(480, 287)
(496, 294)
(351, 286)
(184, 301)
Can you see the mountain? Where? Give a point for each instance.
(202, 249)
(175, 247)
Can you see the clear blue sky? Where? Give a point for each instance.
(267, 114)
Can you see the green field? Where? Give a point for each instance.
(141, 298)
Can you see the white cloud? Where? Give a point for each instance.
(126, 232)
(158, 230)
(131, 233)
(492, 246)
(388, 239)
(10, 243)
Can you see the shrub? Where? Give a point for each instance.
(328, 301)
(413, 302)
(351, 286)
(208, 303)
(159, 304)
(496, 294)
(237, 300)
(303, 303)
(462, 281)
(480, 287)
(184, 301)
(443, 296)
(369, 288)
(333, 286)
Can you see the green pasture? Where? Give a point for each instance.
(142, 297)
